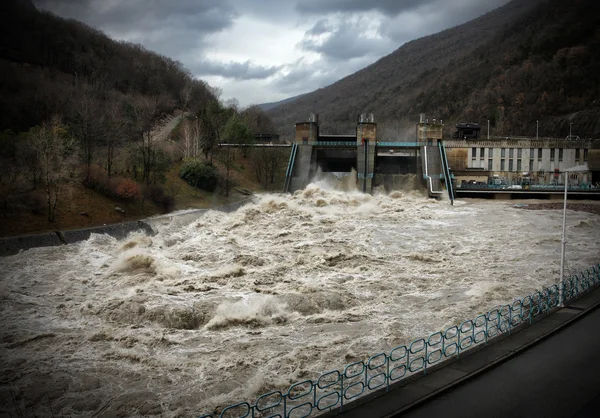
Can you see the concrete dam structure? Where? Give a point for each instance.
(376, 163)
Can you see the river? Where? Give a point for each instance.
(225, 307)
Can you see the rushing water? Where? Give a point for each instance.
(227, 306)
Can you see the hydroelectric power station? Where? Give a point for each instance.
(376, 163)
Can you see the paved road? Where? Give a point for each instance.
(559, 377)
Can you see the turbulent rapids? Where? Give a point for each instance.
(228, 306)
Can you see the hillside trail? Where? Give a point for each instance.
(163, 129)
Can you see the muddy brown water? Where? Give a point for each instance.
(228, 306)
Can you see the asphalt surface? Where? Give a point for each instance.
(557, 377)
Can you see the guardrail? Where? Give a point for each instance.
(537, 187)
(290, 168)
(446, 170)
(356, 144)
(335, 388)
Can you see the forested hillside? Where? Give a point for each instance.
(529, 60)
(48, 63)
(80, 111)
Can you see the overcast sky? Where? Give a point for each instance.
(267, 50)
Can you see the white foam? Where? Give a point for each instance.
(218, 308)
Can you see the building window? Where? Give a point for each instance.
(519, 165)
(519, 153)
(474, 153)
(503, 153)
(531, 165)
(585, 155)
(510, 165)
(577, 154)
(560, 154)
(490, 164)
(511, 153)
(502, 164)
(481, 152)
(490, 152)
(552, 154)
(539, 153)
(531, 153)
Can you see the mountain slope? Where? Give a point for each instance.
(46, 61)
(446, 75)
(272, 105)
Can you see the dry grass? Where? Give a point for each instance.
(100, 209)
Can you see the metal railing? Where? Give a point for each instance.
(533, 187)
(334, 389)
(290, 169)
(446, 171)
(356, 144)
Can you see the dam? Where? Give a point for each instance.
(376, 163)
(468, 166)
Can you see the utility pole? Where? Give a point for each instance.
(537, 129)
(488, 129)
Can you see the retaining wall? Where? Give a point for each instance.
(12, 245)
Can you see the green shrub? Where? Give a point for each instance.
(200, 175)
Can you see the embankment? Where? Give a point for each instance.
(12, 245)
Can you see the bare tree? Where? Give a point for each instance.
(55, 150)
(207, 134)
(146, 113)
(275, 162)
(114, 130)
(12, 181)
(189, 139)
(227, 159)
(260, 161)
(85, 125)
(184, 97)
(257, 120)
(267, 162)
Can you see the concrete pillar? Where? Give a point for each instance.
(306, 132)
(366, 142)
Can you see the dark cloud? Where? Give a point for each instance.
(322, 26)
(206, 16)
(387, 7)
(303, 76)
(235, 70)
(173, 28)
(343, 40)
(435, 17)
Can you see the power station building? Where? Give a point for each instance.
(442, 166)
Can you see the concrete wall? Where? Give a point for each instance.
(12, 245)
(119, 231)
(303, 166)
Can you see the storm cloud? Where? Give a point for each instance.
(236, 70)
(268, 50)
(387, 7)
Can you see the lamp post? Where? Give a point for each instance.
(563, 241)
(537, 129)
